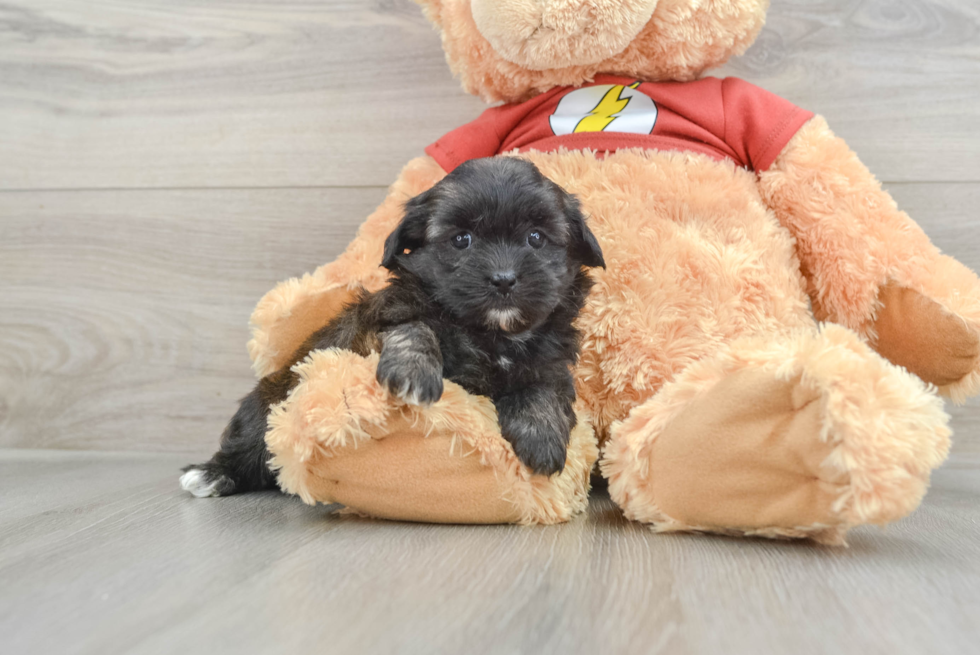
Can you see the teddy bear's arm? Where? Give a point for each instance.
(870, 267)
(296, 308)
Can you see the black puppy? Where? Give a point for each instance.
(487, 277)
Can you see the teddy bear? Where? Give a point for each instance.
(764, 352)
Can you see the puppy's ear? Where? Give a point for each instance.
(410, 233)
(582, 243)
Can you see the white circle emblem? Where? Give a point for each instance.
(605, 108)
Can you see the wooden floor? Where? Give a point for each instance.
(163, 163)
(99, 553)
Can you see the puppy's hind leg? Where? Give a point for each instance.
(242, 463)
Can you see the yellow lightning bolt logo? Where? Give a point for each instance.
(605, 112)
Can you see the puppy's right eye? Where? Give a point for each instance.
(462, 240)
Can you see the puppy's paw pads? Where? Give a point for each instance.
(415, 385)
(202, 484)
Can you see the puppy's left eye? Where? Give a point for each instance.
(462, 240)
(535, 239)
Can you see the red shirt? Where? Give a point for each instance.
(724, 119)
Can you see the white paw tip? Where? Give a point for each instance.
(410, 395)
(194, 482)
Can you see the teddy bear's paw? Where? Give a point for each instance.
(800, 436)
(746, 455)
(917, 333)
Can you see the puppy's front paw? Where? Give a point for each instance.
(540, 444)
(410, 365)
(414, 380)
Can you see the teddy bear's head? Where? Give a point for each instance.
(512, 49)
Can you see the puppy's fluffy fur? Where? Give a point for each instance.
(487, 277)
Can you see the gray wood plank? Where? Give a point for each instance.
(123, 314)
(136, 566)
(164, 93)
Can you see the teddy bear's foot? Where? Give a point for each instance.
(916, 332)
(803, 436)
(342, 438)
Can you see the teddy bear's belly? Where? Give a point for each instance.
(694, 260)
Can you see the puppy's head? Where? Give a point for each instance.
(495, 243)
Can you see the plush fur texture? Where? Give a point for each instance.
(693, 260)
(681, 40)
(852, 240)
(552, 34)
(487, 277)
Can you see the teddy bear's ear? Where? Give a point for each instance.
(410, 233)
(583, 243)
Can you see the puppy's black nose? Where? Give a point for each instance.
(503, 280)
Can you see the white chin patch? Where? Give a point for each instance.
(505, 319)
(194, 482)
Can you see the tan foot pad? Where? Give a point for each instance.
(805, 435)
(918, 334)
(748, 453)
